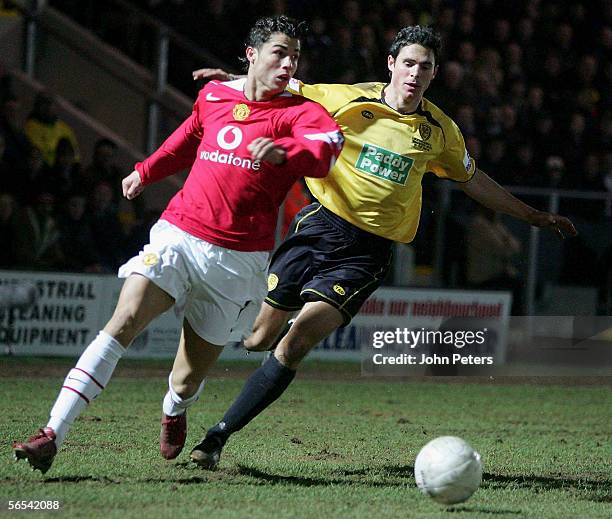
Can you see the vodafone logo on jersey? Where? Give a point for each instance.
(229, 138)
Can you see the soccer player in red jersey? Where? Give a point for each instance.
(246, 143)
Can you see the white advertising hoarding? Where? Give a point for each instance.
(71, 308)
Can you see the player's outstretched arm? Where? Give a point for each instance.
(132, 185)
(489, 193)
(208, 74)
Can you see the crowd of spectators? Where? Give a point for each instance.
(529, 82)
(56, 214)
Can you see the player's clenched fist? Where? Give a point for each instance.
(264, 148)
(132, 185)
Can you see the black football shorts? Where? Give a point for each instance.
(326, 258)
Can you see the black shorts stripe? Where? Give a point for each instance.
(280, 306)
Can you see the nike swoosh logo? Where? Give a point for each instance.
(210, 97)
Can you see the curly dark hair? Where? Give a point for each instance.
(423, 35)
(264, 28)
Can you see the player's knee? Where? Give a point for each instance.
(123, 323)
(256, 343)
(260, 339)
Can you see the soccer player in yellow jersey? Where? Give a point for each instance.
(340, 247)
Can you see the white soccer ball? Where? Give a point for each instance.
(448, 470)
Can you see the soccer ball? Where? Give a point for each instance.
(448, 470)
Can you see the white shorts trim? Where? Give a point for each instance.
(220, 290)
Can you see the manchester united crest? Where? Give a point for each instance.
(425, 131)
(150, 259)
(241, 112)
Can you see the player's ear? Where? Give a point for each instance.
(390, 63)
(435, 71)
(251, 55)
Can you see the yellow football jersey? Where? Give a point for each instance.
(376, 182)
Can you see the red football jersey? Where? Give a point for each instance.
(229, 199)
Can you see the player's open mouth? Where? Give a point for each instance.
(283, 77)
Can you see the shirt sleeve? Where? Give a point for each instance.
(178, 151)
(454, 163)
(331, 97)
(315, 143)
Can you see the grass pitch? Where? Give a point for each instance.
(335, 445)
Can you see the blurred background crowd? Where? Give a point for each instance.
(60, 211)
(529, 82)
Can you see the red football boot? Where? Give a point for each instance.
(173, 435)
(39, 450)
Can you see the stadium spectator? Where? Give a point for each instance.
(495, 159)
(345, 61)
(522, 166)
(16, 142)
(77, 238)
(209, 251)
(545, 138)
(577, 142)
(554, 176)
(466, 119)
(466, 55)
(340, 247)
(464, 29)
(351, 15)
(563, 42)
(60, 178)
(37, 243)
(138, 235)
(592, 177)
(105, 224)
(452, 92)
(552, 80)
(25, 180)
(513, 61)
(491, 249)
(9, 229)
(5, 172)
(319, 44)
(607, 171)
(45, 129)
(494, 123)
(368, 53)
(103, 168)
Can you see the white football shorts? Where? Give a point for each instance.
(220, 290)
